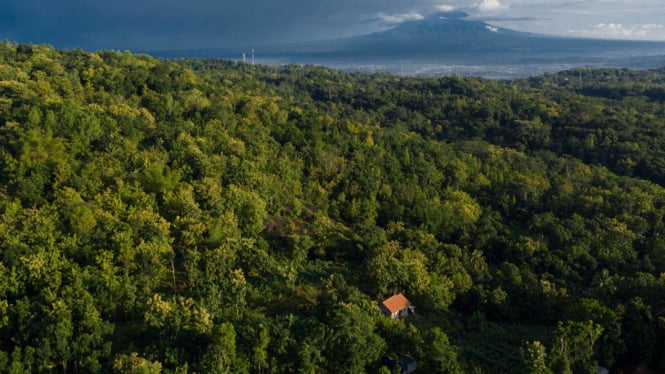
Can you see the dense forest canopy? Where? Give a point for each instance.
(205, 216)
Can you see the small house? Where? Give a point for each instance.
(397, 306)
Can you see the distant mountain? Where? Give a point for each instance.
(442, 30)
(445, 40)
(457, 38)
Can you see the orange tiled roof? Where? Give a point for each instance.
(396, 303)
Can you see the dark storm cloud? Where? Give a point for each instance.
(141, 24)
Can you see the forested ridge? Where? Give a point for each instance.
(206, 216)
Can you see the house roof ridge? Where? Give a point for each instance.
(396, 303)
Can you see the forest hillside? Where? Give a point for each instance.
(205, 216)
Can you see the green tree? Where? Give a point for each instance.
(534, 358)
(573, 346)
(135, 364)
(260, 350)
(440, 355)
(221, 351)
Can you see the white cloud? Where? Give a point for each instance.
(490, 6)
(622, 31)
(444, 8)
(616, 19)
(399, 18)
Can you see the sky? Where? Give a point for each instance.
(153, 25)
